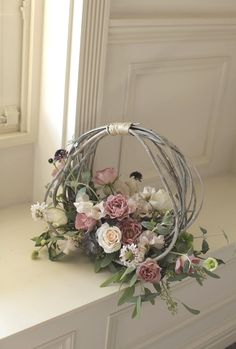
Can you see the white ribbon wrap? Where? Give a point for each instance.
(119, 128)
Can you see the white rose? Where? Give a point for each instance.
(109, 238)
(161, 201)
(56, 216)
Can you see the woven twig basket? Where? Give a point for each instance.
(175, 173)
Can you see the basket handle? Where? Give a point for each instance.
(119, 128)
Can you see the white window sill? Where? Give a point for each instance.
(33, 292)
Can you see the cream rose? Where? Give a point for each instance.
(109, 238)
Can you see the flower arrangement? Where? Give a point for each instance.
(123, 226)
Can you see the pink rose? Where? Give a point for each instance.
(116, 206)
(179, 266)
(149, 271)
(131, 229)
(83, 222)
(106, 176)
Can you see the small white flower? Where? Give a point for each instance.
(97, 211)
(56, 216)
(84, 207)
(68, 245)
(161, 201)
(148, 239)
(143, 208)
(147, 193)
(38, 211)
(109, 238)
(131, 255)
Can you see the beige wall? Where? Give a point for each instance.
(16, 175)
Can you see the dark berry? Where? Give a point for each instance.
(137, 176)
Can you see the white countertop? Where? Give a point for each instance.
(33, 291)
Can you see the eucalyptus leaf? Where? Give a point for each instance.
(203, 230)
(149, 225)
(133, 280)
(127, 293)
(107, 260)
(191, 310)
(114, 278)
(162, 230)
(213, 275)
(157, 288)
(205, 246)
(137, 308)
(80, 193)
(86, 177)
(127, 271)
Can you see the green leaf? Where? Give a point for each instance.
(80, 192)
(127, 271)
(177, 277)
(162, 230)
(220, 261)
(107, 260)
(137, 308)
(213, 275)
(167, 219)
(86, 177)
(97, 265)
(127, 293)
(149, 296)
(114, 278)
(149, 225)
(133, 280)
(157, 288)
(203, 230)
(205, 246)
(225, 236)
(191, 310)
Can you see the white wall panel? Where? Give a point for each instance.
(176, 78)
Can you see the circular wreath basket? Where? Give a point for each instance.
(172, 168)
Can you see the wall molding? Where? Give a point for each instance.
(64, 342)
(215, 336)
(32, 16)
(171, 29)
(92, 63)
(218, 64)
